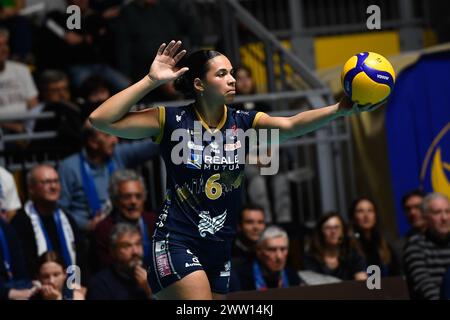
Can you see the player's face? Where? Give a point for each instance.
(220, 85)
(130, 199)
(273, 253)
(52, 274)
(46, 186)
(414, 212)
(438, 216)
(252, 224)
(365, 216)
(332, 231)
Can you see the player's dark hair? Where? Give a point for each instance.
(197, 63)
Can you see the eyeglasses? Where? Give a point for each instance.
(48, 181)
(128, 196)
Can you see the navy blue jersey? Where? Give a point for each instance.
(204, 191)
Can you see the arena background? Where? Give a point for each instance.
(296, 49)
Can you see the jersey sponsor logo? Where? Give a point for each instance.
(194, 162)
(162, 259)
(221, 160)
(210, 224)
(214, 147)
(243, 112)
(232, 146)
(193, 146)
(227, 269)
(178, 116)
(194, 264)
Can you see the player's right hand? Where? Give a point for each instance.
(164, 68)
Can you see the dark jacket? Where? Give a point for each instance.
(22, 224)
(111, 285)
(103, 230)
(20, 278)
(243, 278)
(348, 266)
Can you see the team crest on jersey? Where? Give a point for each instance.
(210, 224)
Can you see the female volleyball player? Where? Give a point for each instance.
(192, 241)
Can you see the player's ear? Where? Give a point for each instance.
(198, 85)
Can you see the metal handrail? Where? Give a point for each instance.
(265, 35)
(274, 96)
(22, 116)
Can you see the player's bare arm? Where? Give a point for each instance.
(114, 116)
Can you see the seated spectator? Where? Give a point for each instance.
(14, 281)
(125, 279)
(139, 33)
(42, 226)
(54, 88)
(52, 276)
(250, 226)
(411, 203)
(93, 92)
(128, 194)
(9, 198)
(245, 85)
(85, 175)
(331, 252)
(369, 240)
(108, 8)
(427, 255)
(18, 93)
(19, 27)
(81, 52)
(269, 269)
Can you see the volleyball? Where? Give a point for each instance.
(367, 78)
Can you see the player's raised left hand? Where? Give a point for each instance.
(163, 68)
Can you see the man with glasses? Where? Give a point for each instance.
(42, 226)
(85, 175)
(55, 95)
(127, 193)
